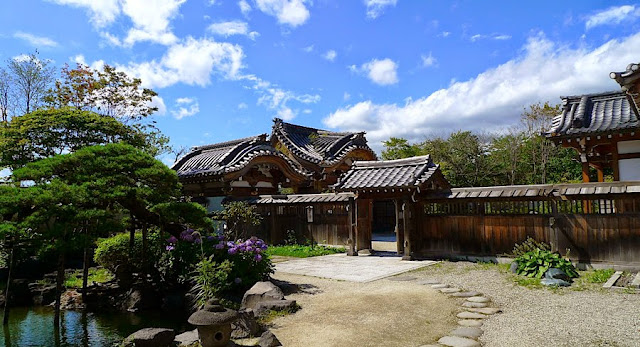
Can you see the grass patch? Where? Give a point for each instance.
(598, 276)
(301, 251)
(98, 275)
(527, 282)
(268, 317)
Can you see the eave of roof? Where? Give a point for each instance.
(388, 174)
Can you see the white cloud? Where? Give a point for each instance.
(495, 98)
(159, 103)
(445, 33)
(330, 55)
(102, 12)
(382, 72)
(36, 41)
(227, 29)
(277, 99)
(306, 111)
(308, 49)
(346, 96)
(185, 107)
(429, 60)
(376, 7)
(289, 12)
(500, 37)
(242, 106)
(191, 62)
(150, 18)
(245, 8)
(612, 15)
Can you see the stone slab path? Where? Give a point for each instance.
(355, 269)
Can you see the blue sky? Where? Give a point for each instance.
(225, 68)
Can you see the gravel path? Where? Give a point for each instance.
(545, 317)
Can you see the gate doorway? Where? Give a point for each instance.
(384, 235)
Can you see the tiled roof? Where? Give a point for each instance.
(321, 147)
(594, 113)
(628, 77)
(300, 198)
(539, 190)
(226, 157)
(400, 173)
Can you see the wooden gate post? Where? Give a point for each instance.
(407, 209)
(352, 251)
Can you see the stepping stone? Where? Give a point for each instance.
(470, 322)
(449, 290)
(636, 281)
(455, 341)
(402, 278)
(470, 315)
(474, 304)
(468, 332)
(428, 281)
(439, 286)
(485, 310)
(478, 299)
(612, 280)
(466, 294)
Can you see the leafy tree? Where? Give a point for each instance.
(30, 78)
(506, 152)
(5, 88)
(48, 132)
(239, 215)
(398, 148)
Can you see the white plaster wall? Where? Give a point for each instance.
(629, 169)
(625, 147)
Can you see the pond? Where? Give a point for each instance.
(33, 326)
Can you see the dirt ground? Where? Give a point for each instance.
(379, 313)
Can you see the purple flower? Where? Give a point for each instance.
(172, 239)
(170, 248)
(220, 245)
(238, 280)
(188, 238)
(233, 250)
(230, 244)
(250, 249)
(258, 250)
(189, 231)
(198, 240)
(210, 238)
(258, 257)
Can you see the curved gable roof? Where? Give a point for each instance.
(227, 157)
(320, 147)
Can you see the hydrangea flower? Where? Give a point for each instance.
(170, 248)
(258, 257)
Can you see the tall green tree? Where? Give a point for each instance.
(398, 148)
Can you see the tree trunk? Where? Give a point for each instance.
(85, 273)
(144, 250)
(5, 315)
(59, 288)
(132, 237)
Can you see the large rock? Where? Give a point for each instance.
(43, 295)
(71, 300)
(554, 282)
(187, 338)
(513, 268)
(245, 326)
(267, 339)
(150, 337)
(555, 273)
(261, 291)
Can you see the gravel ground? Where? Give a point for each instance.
(542, 316)
(379, 313)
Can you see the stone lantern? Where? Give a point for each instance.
(213, 323)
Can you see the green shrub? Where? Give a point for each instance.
(113, 253)
(210, 280)
(535, 263)
(529, 245)
(98, 275)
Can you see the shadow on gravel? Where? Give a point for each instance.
(289, 288)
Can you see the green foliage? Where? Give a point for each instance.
(301, 251)
(238, 215)
(210, 280)
(598, 276)
(45, 133)
(398, 148)
(96, 275)
(113, 253)
(529, 245)
(535, 263)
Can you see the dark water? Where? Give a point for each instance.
(34, 327)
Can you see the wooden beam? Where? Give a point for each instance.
(585, 171)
